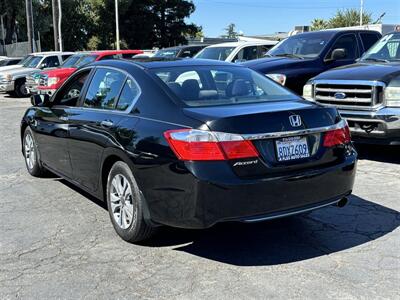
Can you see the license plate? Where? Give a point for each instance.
(292, 148)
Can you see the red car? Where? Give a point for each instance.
(51, 80)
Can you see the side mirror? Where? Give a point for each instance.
(40, 100)
(43, 66)
(337, 54)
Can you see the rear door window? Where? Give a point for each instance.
(104, 89)
(51, 62)
(65, 56)
(368, 39)
(247, 53)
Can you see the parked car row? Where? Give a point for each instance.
(301, 63)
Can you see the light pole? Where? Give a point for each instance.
(361, 12)
(29, 25)
(59, 25)
(117, 25)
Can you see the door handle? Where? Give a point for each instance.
(106, 123)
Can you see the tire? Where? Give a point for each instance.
(20, 89)
(123, 194)
(31, 154)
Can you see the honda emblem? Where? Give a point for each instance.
(295, 120)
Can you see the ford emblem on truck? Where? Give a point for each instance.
(340, 96)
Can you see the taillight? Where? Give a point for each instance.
(192, 144)
(336, 137)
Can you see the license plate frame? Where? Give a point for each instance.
(292, 148)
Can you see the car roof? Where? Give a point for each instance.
(50, 53)
(244, 43)
(109, 52)
(184, 47)
(332, 32)
(155, 63)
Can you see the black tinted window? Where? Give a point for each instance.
(104, 89)
(129, 94)
(65, 56)
(247, 53)
(368, 39)
(347, 42)
(51, 62)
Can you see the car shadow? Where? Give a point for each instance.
(380, 153)
(280, 241)
(285, 240)
(77, 189)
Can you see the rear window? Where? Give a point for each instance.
(221, 85)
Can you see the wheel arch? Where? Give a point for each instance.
(110, 157)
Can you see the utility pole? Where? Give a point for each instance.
(117, 25)
(59, 25)
(361, 12)
(29, 25)
(54, 7)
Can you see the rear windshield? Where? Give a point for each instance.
(221, 85)
(167, 53)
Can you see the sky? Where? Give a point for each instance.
(255, 17)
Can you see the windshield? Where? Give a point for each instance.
(216, 53)
(386, 49)
(221, 85)
(167, 53)
(70, 61)
(33, 62)
(25, 59)
(87, 59)
(305, 46)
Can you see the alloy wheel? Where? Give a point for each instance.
(30, 155)
(122, 202)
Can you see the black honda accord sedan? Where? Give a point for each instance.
(188, 143)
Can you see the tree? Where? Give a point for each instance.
(318, 24)
(348, 17)
(342, 18)
(91, 23)
(231, 31)
(145, 23)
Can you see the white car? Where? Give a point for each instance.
(14, 80)
(236, 51)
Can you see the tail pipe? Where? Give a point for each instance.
(342, 202)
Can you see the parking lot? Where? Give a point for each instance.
(58, 242)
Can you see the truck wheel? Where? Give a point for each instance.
(20, 89)
(125, 205)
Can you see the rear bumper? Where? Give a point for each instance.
(7, 86)
(201, 201)
(383, 125)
